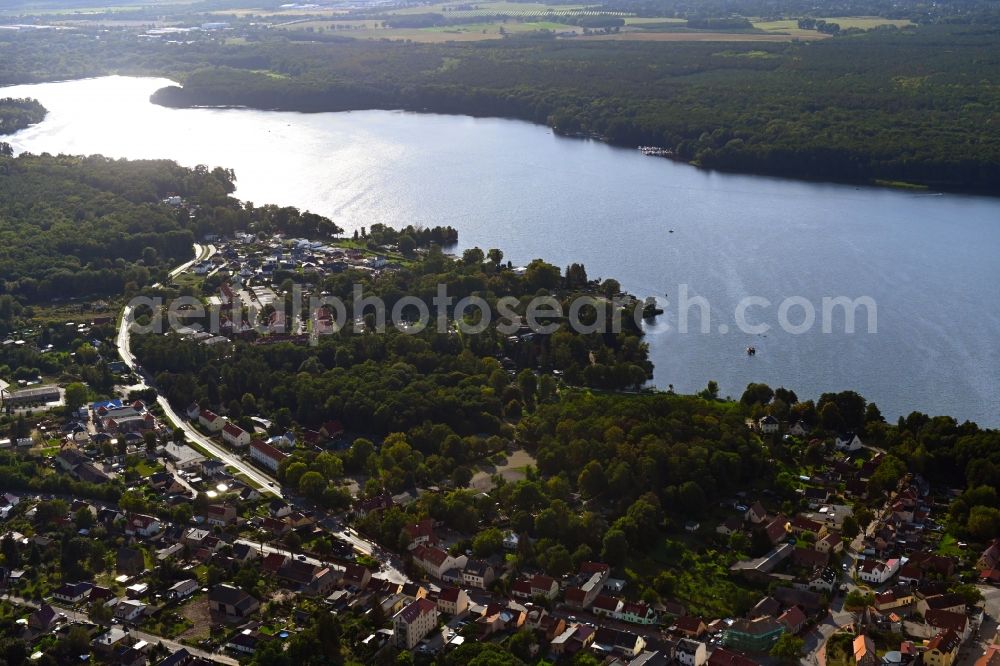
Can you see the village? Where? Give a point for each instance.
(210, 524)
(207, 557)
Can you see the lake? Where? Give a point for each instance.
(928, 261)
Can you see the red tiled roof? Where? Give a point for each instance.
(233, 430)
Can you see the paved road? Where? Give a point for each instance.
(152, 639)
(267, 483)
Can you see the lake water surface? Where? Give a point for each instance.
(930, 262)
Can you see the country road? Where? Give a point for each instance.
(267, 484)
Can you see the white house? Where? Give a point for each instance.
(235, 436)
(414, 622)
(768, 425)
(266, 455)
(799, 429)
(183, 589)
(211, 421)
(849, 442)
(184, 456)
(876, 572)
(143, 526)
(690, 652)
(129, 610)
(436, 561)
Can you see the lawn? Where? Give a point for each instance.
(145, 469)
(168, 624)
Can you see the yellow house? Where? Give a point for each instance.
(942, 649)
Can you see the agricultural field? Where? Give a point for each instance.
(791, 26)
(707, 36)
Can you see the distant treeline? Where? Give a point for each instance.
(17, 114)
(904, 105)
(892, 106)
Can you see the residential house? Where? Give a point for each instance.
(800, 525)
(130, 610)
(182, 589)
(332, 429)
(768, 425)
(945, 620)
(235, 436)
(279, 508)
(363, 507)
(756, 635)
(952, 602)
(420, 534)
(809, 558)
(777, 529)
(729, 526)
(573, 640)
(357, 576)
(183, 456)
(435, 561)
(849, 442)
(942, 649)
(605, 606)
(898, 596)
(876, 572)
(414, 622)
(799, 429)
(636, 612)
(724, 657)
(590, 579)
(793, 620)
(452, 601)
(211, 421)
(864, 651)
(478, 574)
(766, 606)
(231, 602)
(244, 552)
(690, 652)
(544, 586)
(72, 593)
(43, 618)
(266, 455)
(756, 514)
(830, 543)
(112, 640)
(500, 617)
(220, 515)
(193, 411)
(608, 641)
(211, 468)
(689, 626)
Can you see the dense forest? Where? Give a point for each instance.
(78, 226)
(889, 105)
(16, 114)
(896, 106)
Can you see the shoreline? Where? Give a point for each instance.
(875, 181)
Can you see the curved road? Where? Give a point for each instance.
(391, 569)
(266, 483)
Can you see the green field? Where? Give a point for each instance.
(791, 26)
